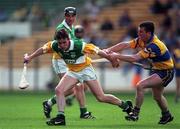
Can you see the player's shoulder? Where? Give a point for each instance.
(54, 44)
(153, 46)
(136, 43)
(78, 43)
(156, 41)
(157, 45)
(60, 26)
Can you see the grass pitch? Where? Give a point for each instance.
(23, 110)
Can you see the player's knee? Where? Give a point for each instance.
(139, 86)
(58, 91)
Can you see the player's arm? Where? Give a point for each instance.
(126, 58)
(92, 49)
(151, 50)
(123, 45)
(118, 47)
(40, 51)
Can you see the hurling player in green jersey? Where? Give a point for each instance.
(75, 54)
(60, 69)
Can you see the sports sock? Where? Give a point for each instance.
(123, 105)
(52, 101)
(60, 113)
(83, 110)
(136, 110)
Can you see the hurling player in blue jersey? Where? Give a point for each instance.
(176, 53)
(151, 48)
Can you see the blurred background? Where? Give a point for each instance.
(26, 25)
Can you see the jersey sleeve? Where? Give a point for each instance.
(59, 27)
(90, 48)
(133, 43)
(136, 43)
(47, 47)
(150, 51)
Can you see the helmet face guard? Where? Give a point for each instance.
(70, 11)
(79, 29)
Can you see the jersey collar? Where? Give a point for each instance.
(150, 39)
(66, 25)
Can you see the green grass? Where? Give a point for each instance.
(23, 110)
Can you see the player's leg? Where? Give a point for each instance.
(47, 104)
(162, 103)
(177, 97)
(78, 91)
(166, 77)
(157, 80)
(85, 87)
(60, 69)
(97, 91)
(80, 96)
(65, 84)
(152, 81)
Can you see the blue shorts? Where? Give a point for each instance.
(165, 75)
(177, 72)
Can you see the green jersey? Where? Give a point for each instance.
(69, 30)
(75, 53)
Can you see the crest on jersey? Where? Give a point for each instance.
(73, 54)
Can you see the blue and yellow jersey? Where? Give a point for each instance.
(176, 54)
(137, 43)
(76, 57)
(156, 51)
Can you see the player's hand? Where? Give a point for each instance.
(114, 55)
(27, 58)
(114, 60)
(115, 63)
(107, 51)
(107, 54)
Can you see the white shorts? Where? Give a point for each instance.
(59, 66)
(86, 74)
